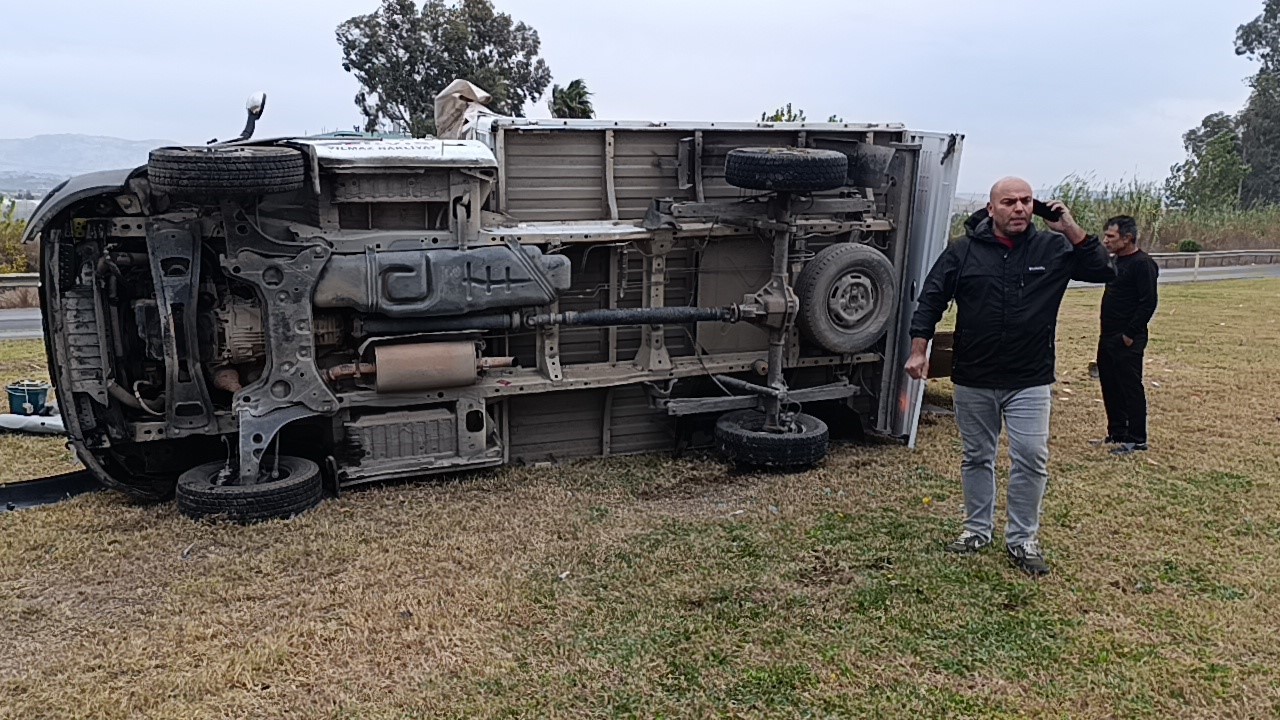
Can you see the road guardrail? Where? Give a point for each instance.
(1222, 258)
(9, 281)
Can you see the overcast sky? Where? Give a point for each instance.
(1040, 89)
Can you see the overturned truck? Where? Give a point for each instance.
(245, 322)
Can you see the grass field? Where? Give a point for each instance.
(651, 587)
(28, 456)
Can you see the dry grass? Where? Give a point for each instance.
(27, 297)
(649, 587)
(1161, 228)
(23, 457)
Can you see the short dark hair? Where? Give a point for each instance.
(1124, 225)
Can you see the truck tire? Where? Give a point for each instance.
(228, 170)
(786, 169)
(742, 439)
(297, 490)
(847, 296)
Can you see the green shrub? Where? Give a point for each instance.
(14, 256)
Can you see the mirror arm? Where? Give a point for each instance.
(253, 108)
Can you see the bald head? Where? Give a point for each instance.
(1009, 184)
(1010, 206)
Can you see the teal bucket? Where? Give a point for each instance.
(28, 397)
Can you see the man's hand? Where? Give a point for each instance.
(1128, 341)
(918, 363)
(1066, 224)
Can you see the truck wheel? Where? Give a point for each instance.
(297, 490)
(847, 296)
(786, 169)
(742, 439)
(232, 170)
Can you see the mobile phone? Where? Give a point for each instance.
(1039, 209)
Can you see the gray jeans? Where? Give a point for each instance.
(979, 412)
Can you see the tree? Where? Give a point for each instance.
(1235, 160)
(783, 114)
(786, 114)
(1260, 142)
(1259, 122)
(571, 101)
(1259, 39)
(1212, 175)
(1213, 125)
(402, 57)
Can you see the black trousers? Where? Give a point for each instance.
(1120, 372)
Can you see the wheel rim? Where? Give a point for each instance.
(852, 299)
(235, 150)
(250, 150)
(264, 477)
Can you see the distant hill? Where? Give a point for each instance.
(13, 184)
(38, 163)
(968, 202)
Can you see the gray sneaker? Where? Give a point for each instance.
(1129, 448)
(968, 543)
(1028, 558)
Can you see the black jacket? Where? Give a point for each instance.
(1006, 300)
(1130, 299)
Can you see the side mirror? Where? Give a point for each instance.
(256, 103)
(254, 106)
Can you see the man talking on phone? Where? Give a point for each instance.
(1007, 278)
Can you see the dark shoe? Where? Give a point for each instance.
(1129, 448)
(1028, 558)
(968, 543)
(1108, 440)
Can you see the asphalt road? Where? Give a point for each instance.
(24, 323)
(20, 324)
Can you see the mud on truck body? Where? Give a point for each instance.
(242, 321)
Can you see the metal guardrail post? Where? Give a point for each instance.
(1196, 275)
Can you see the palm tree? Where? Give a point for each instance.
(571, 101)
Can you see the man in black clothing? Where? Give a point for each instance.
(1007, 278)
(1127, 306)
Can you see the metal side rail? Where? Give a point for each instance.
(47, 490)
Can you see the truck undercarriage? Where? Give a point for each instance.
(239, 321)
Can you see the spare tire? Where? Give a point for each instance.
(786, 169)
(742, 439)
(226, 170)
(847, 296)
(298, 489)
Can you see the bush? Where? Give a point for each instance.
(27, 297)
(1160, 228)
(1093, 203)
(14, 257)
